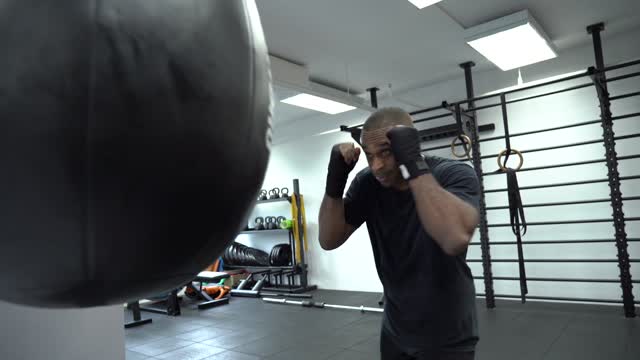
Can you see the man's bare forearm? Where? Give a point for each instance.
(448, 219)
(332, 226)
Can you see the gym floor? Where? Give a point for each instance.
(249, 329)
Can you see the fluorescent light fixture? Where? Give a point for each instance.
(317, 103)
(421, 4)
(511, 42)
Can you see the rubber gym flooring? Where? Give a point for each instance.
(249, 329)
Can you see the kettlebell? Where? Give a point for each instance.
(263, 195)
(280, 222)
(275, 193)
(285, 192)
(259, 223)
(271, 223)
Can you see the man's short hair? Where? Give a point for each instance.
(386, 117)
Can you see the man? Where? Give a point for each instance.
(421, 214)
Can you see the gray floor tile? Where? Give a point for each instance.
(369, 346)
(266, 346)
(364, 328)
(232, 355)
(162, 346)
(192, 352)
(140, 337)
(306, 352)
(587, 347)
(206, 333)
(633, 348)
(169, 328)
(132, 355)
(234, 340)
(510, 347)
(339, 338)
(354, 355)
(249, 329)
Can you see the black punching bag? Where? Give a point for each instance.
(134, 137)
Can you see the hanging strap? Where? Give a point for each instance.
(465, 140)
(518, 226)
(516, 210)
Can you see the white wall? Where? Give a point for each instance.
(351, 267)
(76, 334)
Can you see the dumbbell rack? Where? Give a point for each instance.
(296, 269)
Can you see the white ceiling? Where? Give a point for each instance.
(356, 44)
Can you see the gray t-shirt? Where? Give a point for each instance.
(429, 296)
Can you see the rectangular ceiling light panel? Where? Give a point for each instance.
(421, 4)
(317, 103)
(511, 42)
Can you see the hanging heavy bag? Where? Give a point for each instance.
(112, 112)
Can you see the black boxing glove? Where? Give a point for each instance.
(343, 159)
(405, 145)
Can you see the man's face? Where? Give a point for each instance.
(377, 149)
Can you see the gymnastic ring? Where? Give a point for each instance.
(513, 151)
(466, 145)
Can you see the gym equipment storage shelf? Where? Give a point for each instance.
(298, 269)
(276, 231)
(284, 198)
(234, 267)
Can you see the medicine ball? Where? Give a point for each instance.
(134, 137)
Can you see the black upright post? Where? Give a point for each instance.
(302, 264)
(600, 80)
(472, 129)
(373, 93)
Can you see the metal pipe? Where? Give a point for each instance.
(322, 305)
(473, 131)
(622, 178)
(591, 122)
(485, 97)
(543, 130)
(569, 164)
(373, 94)
(595, 31)
(582, 143)
(572, 88)
(557, 279)
(531, 297)
(435, 117)
(565, 222)
(555, 260)
(624, 96)
(556, 242)
(568, 78)
(565, 203)
(622, 77)
(599, 79)
(621, 66)
(425, 110)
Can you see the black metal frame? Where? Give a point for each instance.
(563, 299)
(137, 316)
(573, 183)
(599, 81)
(298, 270)
(171, 305)
(472, 130)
